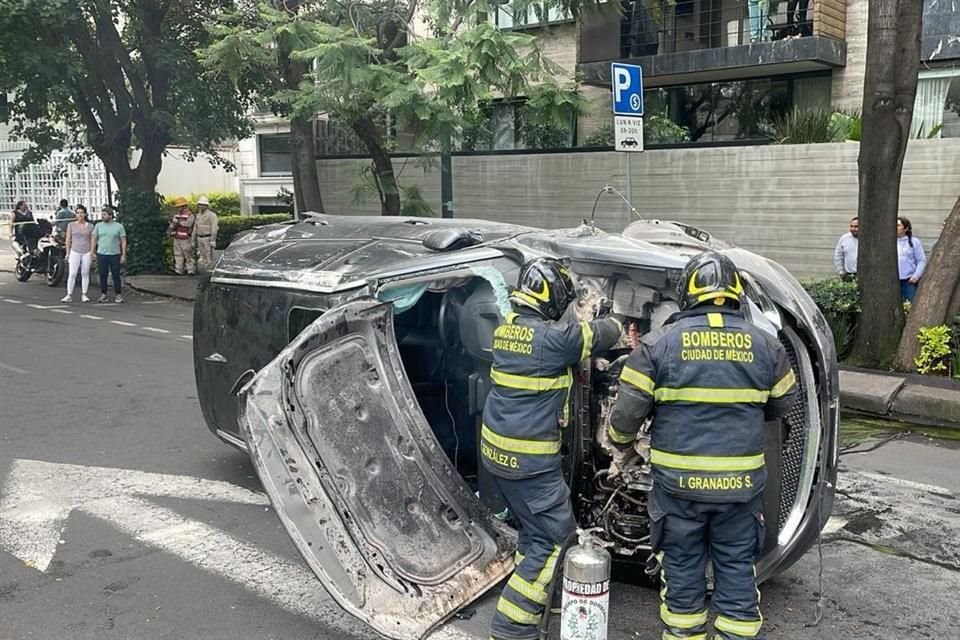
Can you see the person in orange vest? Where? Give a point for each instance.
(181, 228)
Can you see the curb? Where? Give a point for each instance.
(905, 398)
(153, 292)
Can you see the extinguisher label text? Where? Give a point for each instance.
(586, 588)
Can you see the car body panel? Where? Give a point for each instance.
(379, 514)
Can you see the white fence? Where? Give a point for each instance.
(43, 185)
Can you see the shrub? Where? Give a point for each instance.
(935, 356)
(229, 226)
(810, 126)
(140, 215)
(839, 301)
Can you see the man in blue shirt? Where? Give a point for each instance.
(64, 217)
(845, 255)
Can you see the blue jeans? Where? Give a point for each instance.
(755, 12)
(907, 290)
(111, 262)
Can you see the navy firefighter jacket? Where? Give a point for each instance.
(710, 379)
(532, 375)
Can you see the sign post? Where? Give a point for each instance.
(626, 83)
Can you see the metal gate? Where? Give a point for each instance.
(43, 185)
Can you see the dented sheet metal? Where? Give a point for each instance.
(364, 491)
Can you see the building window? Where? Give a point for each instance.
(937, 105)
(536, 14)
(275, 157)
(732, 110)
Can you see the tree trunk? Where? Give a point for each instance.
(890, 86)
(932, 303)
(303, 157)
(306, 183)
(366, 129)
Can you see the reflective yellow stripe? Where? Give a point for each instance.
(634, 378)
(706, 463)
(517, 614)
(711, 395)
(516, 445)
(746, 628)
(517, 558)
(511, 317)
(586, 331)
(669, 636)
(529, 591)
(529, 383)
(783, 387)
(620, 438)
(715, 320)
(682, 620)
(546, 574)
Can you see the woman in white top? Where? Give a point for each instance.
(78, 250)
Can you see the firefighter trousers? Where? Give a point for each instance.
(684, 534)
(183, 256)
(541, 508)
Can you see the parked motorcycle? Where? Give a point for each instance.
(48, 259)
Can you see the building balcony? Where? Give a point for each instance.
(686, 41)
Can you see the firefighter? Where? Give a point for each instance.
(534, 353)
(710, 379)
(205, 232)
(181, 228)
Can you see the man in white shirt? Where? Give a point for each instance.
(845, 255)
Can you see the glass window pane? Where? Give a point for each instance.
(812, 93)
(275, 154)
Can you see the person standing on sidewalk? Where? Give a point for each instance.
(181, 228)
(79, 245)
(64, 217)
(845, 254)
(205, 233)
(709, 408)
(911, 259)
(110, 247)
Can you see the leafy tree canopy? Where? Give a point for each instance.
(109, 76)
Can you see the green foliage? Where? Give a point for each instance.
(839, 301)
(935, 356)
(111, 76)
(923, 134)
(659, 129)
(229, 226)
(413, 203)
(223, 203)
(601, 137)
(833, 295)
(813, 126)
(145, 227)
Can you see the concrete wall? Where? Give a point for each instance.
(338, 177)
(789, 203)
(848, 81)
(179, 176)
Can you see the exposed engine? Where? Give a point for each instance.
(616, 508)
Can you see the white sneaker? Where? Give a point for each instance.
(67, 298)
(84, 298)
(118, 299)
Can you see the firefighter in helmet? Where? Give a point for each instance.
(534, 353)
(711, 380)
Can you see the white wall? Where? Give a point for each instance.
(179, 176)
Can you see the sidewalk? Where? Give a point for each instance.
(179, 287)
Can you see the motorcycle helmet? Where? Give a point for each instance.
(545, 286)
(709, 276)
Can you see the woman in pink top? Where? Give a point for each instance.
(78, 250)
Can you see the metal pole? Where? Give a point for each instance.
(629, 189)
(446, 185)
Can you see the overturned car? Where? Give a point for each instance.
(350, 357)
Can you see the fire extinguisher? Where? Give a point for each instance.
(584, 614)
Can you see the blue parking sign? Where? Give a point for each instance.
(626, 81)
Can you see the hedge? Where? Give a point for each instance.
(229, 226)
(222, 202)
(839, 300)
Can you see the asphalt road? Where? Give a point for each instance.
(182, 544)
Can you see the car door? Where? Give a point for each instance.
(361, 485)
